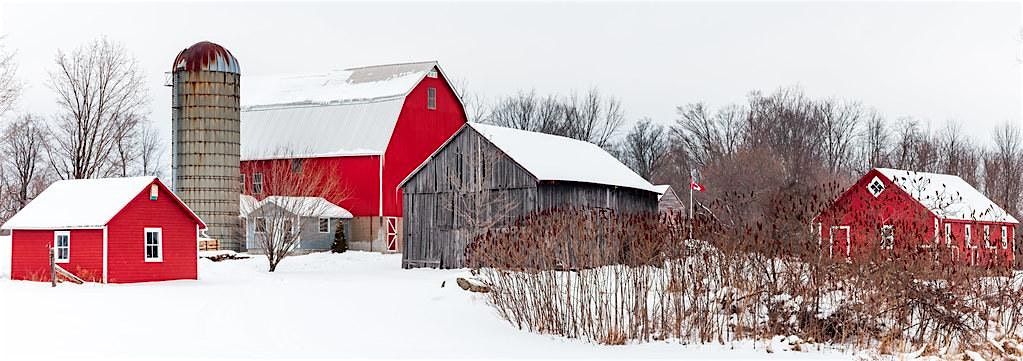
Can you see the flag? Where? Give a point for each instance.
(694, 181)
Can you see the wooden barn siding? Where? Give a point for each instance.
(432, 233)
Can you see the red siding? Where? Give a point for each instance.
(359, 177)
(913, 223)
(419, 132)
(30, 259)
(126, 242)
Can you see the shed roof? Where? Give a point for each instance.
(82, 203)
(338, 113)
(948, 196)
(662, 189)
(301, 206)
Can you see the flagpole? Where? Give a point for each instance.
(691, 180)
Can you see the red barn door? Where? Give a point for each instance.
(840, 241)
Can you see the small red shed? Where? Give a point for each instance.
(116, 230)
(906, 213)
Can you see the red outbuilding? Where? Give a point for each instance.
(900, 213)
(116, 230)
(367, 127)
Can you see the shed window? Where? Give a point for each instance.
(154, 245)
(987, 237)
(257, 183)
(431, 98)
(324, 225)
(887, 236)
(260, 225)
(62, 246)
(1005, 237)
(968, 236)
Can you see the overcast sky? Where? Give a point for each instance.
(933, 61)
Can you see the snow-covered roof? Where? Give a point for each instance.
(661, 189)
(948, 196)
(79, 203)
(339, 113)
(246, 204)
(303, 207)
(556, 158)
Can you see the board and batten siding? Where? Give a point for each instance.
(435, 237)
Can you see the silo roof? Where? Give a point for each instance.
(206, 56)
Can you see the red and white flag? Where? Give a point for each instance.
(694, 181)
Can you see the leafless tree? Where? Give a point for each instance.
(151, 151)
(1003, 166)
(706, 136)
(475, 105)
(22, 149)
(10, 86)
(876, 143)
(100, 95)
(290, 190)
(957, 154)
(646, 148)
(839, 124)
(592, 117)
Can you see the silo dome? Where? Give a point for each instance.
(206, 56)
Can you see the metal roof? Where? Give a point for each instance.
(206, 56)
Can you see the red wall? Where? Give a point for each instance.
(30, 258)
(913, 224)
(359, 177)
(126, 241)
(417, 134)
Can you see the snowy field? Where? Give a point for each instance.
(353, 305)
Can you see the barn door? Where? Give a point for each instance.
(840, 243)
(392, 233)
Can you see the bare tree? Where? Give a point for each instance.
(10, 86)
(151, 151)
(101, 94)
(291, 191)
(956, 153)
(22, 148)
(876, 143)
(839, 124)
(475, 105)
(706, 136)
(593, 117)
(646, 148)
(1003, 166)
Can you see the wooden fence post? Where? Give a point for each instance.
(53, 268)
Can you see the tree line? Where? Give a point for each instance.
(99, 128)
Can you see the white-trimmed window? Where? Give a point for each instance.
(948, 234)
(324, 225)
(154, 245)
(432, 73)
(260, 225)
(887, 236)
(431, 98)
(968, 236)
(1005, 237)
(987, 237)
(257, 183)
(62, 246)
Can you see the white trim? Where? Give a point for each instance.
(320, 219)
(56, 249)
(948, 234)
(848, 240)
(968, 236)
(106, 247)
(882, 240)
(197, 250)
(430, 90)
(260, 174)
(1005, 237)
(987, 237)
(159, 244)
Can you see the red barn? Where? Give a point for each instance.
(116, 230)
(914, 213)
(369, 126)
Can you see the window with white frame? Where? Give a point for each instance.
(968, 236)
(62, 246)
(432, 73)
(987, 237)
(260, 225)
(948, 234)
(154, 245)
(1005, 237)
(431, 98)
(324, 225)
(257, 183)
(887, 236)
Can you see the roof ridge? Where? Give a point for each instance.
(391, 64)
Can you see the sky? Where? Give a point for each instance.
(931, 61)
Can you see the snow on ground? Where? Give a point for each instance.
(352, 305)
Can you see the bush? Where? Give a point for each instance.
(340, 244)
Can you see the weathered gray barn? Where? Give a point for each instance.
(489, 176)
(668, 200)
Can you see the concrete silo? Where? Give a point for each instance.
(205, 114)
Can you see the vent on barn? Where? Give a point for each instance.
(205, 117)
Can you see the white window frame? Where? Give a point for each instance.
(1005, 237)
(146, 245)
(431, 98)
(320, 220)
(987, 237)
(57, 248)
(948, 234)
(968, 236)
(891, 245)
(257, 183)
(257, 222)
(432, 73)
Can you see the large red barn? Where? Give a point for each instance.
(370, 126)
(116, 230)
(917, 214)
